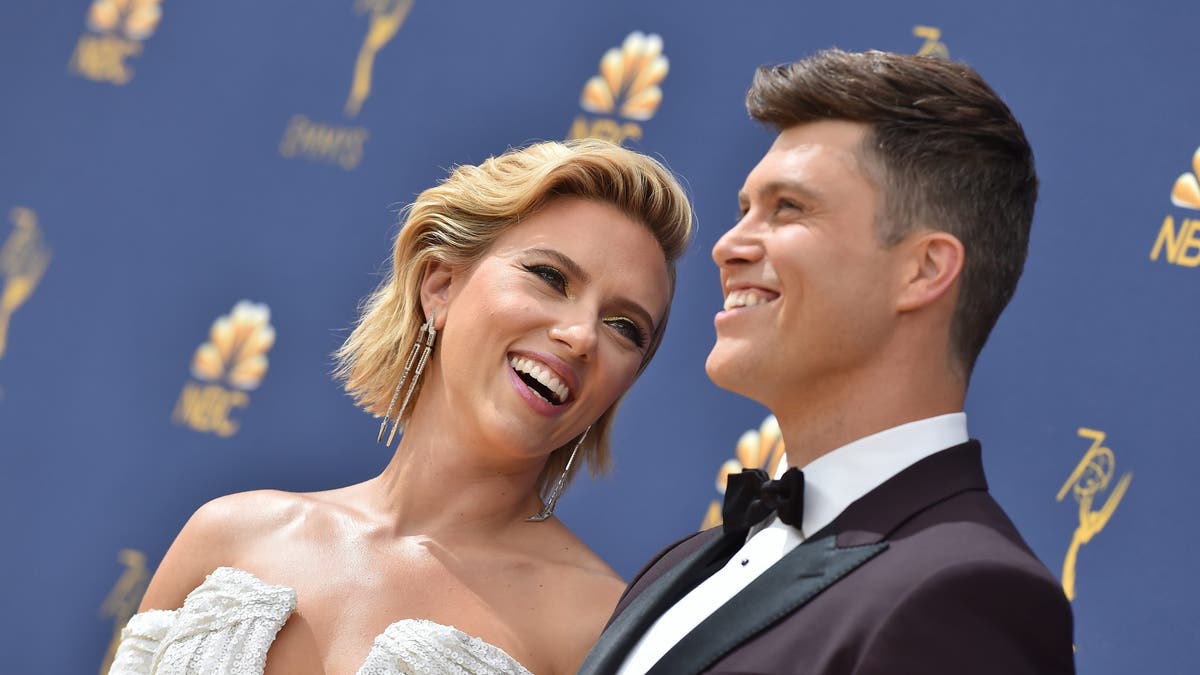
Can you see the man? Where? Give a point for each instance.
(880, 238)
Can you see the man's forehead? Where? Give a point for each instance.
(837, 133)
(802, 156)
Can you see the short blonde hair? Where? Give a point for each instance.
(456, 222)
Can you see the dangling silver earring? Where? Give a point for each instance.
(556, 492)
(427, 334)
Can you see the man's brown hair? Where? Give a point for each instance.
(948, 153)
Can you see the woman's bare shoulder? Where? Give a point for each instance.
(562, 548)
(594, 589)
(219, 534)
(254, 512)
(580, 598)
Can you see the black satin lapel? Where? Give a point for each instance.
(628, 627)
(809, 569)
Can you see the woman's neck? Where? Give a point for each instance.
(443, 478)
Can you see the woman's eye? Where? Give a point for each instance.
(629, 329)
(550, 275)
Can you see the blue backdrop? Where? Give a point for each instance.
(162, 162)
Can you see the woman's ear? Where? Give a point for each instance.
(436, 291)
(935, 263)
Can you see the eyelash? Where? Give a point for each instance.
(555, 279)
(629, 329)
(558, 281)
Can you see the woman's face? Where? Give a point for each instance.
(550, 327)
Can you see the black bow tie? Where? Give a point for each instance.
(750, 497)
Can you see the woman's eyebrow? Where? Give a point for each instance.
(573, 268)
(563, 261)
(631, 306)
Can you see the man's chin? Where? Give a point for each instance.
(729, 373)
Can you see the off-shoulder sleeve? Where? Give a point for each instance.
(140, 640)
(226, 625)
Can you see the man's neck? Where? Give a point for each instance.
(813, 426)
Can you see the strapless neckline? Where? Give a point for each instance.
(228, 622)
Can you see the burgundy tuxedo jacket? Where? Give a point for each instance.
(923, 575)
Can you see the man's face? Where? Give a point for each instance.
(809, 290)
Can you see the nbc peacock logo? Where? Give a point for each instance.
(116, 31)
(1186, 191)
(231, 363)
(1182, 245)
(625, 92)
(760, 448)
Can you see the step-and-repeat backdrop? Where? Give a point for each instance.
(194, 196)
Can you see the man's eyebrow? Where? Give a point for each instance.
(563, 261)
(793, 187)
(782, 186)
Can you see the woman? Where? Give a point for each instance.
(526, 295)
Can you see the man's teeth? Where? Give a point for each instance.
(745, 299)
(542, 374)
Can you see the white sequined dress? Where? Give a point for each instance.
(228, 623)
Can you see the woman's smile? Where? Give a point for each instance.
(566, 300)
(542, 377)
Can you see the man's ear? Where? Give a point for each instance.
(437, 287)
(934, 264)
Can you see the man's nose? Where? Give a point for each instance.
(739, 245)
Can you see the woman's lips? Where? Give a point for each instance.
(532, 398)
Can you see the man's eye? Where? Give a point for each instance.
(788, 204)
(550, 275)
(627, 328)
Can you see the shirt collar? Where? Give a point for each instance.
(841, 477)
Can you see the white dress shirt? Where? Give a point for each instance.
(831, 483)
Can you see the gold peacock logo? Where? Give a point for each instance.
(760, 448)
(117, 30)
(237, 347)
(1182, 244)
(1186, 191)
(629, 76)
(23, 261)
(134, 19)
(627, 86)
(232, 362)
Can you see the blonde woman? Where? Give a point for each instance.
(526, 295)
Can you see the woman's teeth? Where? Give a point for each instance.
(533, 373)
